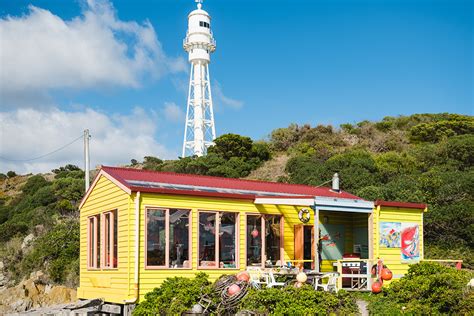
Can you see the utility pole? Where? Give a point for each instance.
(87, 165)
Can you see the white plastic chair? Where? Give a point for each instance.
(331, 285)
(257, 277)
(272, 282)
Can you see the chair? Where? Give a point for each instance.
(256, 276)
(272, 282)
(331, 285)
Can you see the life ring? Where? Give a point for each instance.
(304, 215)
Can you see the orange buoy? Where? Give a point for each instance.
(376, 287)
(386, 274)
(243, 276)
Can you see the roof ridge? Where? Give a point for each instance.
(213, 177)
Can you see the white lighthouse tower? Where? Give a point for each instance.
(199, 130)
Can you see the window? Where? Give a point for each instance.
(167, 238)
(93, 255)
(217, 239)
(204, 24)
(110, 239)
(264, 239)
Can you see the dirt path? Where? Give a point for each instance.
(362, 307)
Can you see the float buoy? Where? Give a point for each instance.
(233, 289)
(243, 276)
(301, 277)
(376, 287)
(386, 274)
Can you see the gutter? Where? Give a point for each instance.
(137, 250)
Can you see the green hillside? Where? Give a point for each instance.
(419, 158)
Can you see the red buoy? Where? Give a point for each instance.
(386, 274)
(376, 287)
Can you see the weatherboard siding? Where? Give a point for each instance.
(117, 285)
(112, 285)
(391, 256)
(151, 278)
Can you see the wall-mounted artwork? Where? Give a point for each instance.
(332, 241)
(410, 242)
(390, 234)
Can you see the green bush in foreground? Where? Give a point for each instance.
(301, 301)
(427, 289)
(178, 294)
(175, 296)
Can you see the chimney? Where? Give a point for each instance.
(335, 182)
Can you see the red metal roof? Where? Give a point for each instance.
(187, 184)
(421, 206)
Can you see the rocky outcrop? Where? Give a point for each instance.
(33, 293)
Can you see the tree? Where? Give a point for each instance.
(232, 145)
(11, 174)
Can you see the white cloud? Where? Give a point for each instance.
(42, 51)
(27, 133)
(173, 112)
(221, 99)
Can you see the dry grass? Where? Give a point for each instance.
(271, 170)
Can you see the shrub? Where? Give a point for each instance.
(175, 296)
(427, 288)
(294, 301)
(34, 183)
(58, 250)
(11, 174)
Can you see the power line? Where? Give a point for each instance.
(42, 156)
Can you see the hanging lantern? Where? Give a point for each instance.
(254, 233)
(386, 274)
(301, 277)
(376, 287)
(233, 289)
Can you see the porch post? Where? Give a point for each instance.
(316, 238)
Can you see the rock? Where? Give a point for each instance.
(27, 240)
(2, 265)
(48, 288)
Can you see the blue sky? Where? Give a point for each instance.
(277, 62)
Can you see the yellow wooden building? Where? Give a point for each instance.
(139, 227)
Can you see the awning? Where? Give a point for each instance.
(321, 203)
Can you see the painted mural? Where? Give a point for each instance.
(410, 242)
(332, 239)
(390, 234)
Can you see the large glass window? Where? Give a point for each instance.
(102, 240)
(179, 239)
(264, 239)
(93, 254)
(254, 240)
(217, 239)
(272, 238)
(110, 239)
(168, 243)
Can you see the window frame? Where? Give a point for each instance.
(217, 244)
(92, 249)
(167, 233)
(109, 241)
(263, 257)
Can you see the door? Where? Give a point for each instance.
(304, 245)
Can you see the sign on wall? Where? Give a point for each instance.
(410, 242)
(390, 234)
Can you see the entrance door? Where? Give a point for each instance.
(304, 245)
